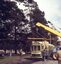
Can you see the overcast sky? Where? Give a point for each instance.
(52, 9)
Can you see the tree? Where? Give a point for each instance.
(10, 17)
(34, 15)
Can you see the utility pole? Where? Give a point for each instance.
(49, 37)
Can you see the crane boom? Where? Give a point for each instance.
(48, 29)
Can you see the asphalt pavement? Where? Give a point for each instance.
(24, 60)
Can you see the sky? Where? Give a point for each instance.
(52, 9)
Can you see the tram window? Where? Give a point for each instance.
(34, 47)
(38, 47)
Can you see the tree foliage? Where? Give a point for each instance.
(10, 17)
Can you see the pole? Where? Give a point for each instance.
(49, 37)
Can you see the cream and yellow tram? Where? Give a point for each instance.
(37, 49)
(40, 48)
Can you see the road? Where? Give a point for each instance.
(24, 60)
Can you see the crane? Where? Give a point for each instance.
(38, 24)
